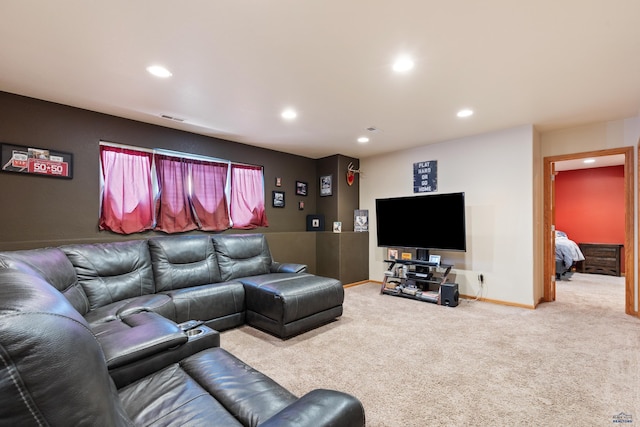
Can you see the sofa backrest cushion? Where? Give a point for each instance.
(242, 255)
(52, 265)
(110, 272)
(183, 261)
(52, 369)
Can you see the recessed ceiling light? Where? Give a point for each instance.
(159, 71)
(289, 114)
(465, 113)
(363, 139)
(590, 161)
(403, 64)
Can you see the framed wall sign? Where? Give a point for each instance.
(36, 161)
(326, 188)
(301, 188)
(425, 176)
(278, 199)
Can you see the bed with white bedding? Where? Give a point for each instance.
(567, 254)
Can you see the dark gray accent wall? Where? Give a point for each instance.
(345, 198)
(37, 211)
(343, 255)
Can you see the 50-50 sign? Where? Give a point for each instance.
(36, 161)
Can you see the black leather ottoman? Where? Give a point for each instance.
(290, 303)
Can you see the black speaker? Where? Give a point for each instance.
(449, 294)
(422, 254)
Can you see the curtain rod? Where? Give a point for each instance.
(128, 147)
(175, 154)
(189, 155)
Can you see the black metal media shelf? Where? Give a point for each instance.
(420, 280)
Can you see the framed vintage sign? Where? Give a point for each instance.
(278, 199)
(425, 176)
(326, 188)
(36, 161)
(301, 188)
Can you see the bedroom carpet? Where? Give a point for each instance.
(574, 362)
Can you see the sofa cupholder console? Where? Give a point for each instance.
(194, 340)
(192, 333)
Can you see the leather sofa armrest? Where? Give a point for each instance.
(320, 408)
(125, 375)
(137, 336)
(277, 267)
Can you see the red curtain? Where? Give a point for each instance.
(192, 194)
(173, 212)
(127, 193)
(247, 197)
(208, 198)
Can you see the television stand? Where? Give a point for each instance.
(420, 280)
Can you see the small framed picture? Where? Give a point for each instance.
(301, 188)
(434, 259)
(315, 222)
(278, 182)
(392, 254)
(278, 199)
(326, 188)
(300, 206)
(337, 226)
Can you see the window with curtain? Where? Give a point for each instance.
(167, 192)
(127, 193)
(208, 196)
(247, 197)
(173, 212)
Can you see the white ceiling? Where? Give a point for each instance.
(598, 162)
(237, 64)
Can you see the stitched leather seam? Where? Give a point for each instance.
(28, 402)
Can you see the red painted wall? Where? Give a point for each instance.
(590, 204)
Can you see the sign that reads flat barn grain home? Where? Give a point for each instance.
(425, 176)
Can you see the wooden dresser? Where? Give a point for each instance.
(601, 258)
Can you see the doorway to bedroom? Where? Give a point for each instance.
(618, 230)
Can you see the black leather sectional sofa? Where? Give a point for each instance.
(126, 333)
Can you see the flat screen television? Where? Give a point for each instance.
(434, 221)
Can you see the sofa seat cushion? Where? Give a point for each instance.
(207, 302)
(280, 299)
(210, 388)
(158, 303)
(172, 398)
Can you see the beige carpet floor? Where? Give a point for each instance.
(574, 362)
